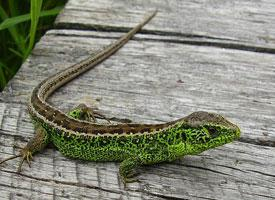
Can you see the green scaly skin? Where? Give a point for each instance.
(190, 135)
(184, 137)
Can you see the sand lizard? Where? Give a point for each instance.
(77, 135)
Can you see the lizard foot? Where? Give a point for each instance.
(26, 156)
(37, 143)
(127, 170)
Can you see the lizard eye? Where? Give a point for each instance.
(213, 132)
(216, 131)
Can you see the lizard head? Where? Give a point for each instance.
(209, 130)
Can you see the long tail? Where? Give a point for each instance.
(52, 83)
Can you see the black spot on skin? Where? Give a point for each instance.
(184, 137)
(118, 131)
(145, 130)
(79, 129)
(134, 125)
(49, 116)
(65, 123)
(91, 130)
(84, 129)
(133, 130)
(99, 131)
(58, 131)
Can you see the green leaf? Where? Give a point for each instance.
(18, 39)
(22, 18)
(13, 8)
(16, 52)
(3, 80)
(35, 13)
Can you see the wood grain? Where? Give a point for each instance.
(155, 78)
(240, 24)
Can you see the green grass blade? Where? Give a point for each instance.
(3, 80)
(18, 39)
(13, 7)
(16, 52)
(6, 68)
(35, 13)
(18, 34)
(22, 18)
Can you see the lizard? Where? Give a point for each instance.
(78, 135)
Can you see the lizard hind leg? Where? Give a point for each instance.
(37, 143)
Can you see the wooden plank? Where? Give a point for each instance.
(142, 82)
(231, 24)
(234, 171)
(154, 78)
(156, 81)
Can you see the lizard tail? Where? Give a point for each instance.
(49, 85)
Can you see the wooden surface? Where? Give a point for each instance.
(214, 56)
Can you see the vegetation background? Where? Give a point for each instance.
(22, 23)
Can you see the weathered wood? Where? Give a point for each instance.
(238, 24)
(154, 78)
(228, 172)
(141, 81)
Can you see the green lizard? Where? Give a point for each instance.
(78, 135)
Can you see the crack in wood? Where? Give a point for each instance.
(226, 45)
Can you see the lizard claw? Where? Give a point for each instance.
(10, 158)
(26, 156)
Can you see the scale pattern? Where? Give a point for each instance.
(164, 145)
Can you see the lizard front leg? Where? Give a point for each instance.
(127, 169)
(37, 143)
